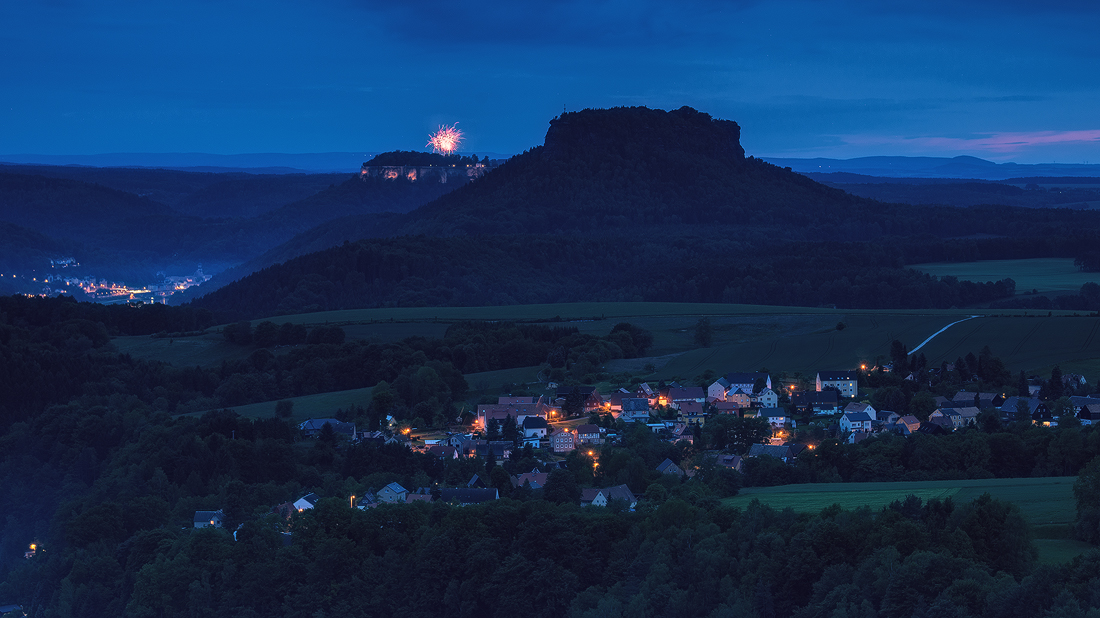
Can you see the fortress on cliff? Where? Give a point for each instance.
(427, 173)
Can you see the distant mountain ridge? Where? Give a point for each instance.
(962, 167)
(264, 163)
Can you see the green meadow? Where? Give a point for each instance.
(1042, 501)
(1043, 275)
(307, 406)
(746, 337)
(1046, 503)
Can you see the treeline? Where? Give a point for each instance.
(55, 350)
(986, 451)
(420, 158)
(504, 270)
(117, 547)
(1088, 299)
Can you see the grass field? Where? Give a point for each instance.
(205, 350)
(1046, 503)
(1046, 275)
(1042, 501)
(307, 406)
(807, 344)
(746, 337)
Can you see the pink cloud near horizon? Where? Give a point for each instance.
(992, 143)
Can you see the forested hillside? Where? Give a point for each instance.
(640, 204)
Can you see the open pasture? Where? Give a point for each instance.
(796, 344)
(745, 337)
(1046, 275)
(1047, 504)
(203, 350)
(320, 405)
(1042, 501)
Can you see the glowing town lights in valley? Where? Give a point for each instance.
(446, 139)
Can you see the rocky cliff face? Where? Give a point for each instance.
(642, 131)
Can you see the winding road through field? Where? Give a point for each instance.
(940, 331)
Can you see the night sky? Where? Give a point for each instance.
(1006, 81)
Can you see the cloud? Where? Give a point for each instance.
(993, 143)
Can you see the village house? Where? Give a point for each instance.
(815, 402)
(419, 496)
(306, 502)
(534, 427)
(910, 424)
(1080, 402)
(683, 432)
(718, 389)
(466, 496)
(846, 382)
(967, 399)
(534, 479)
(960, 416)
(588, 434)
(733, 462)
(766, 398)
(635, 409)
(443, 451)
(312, 428)
(861, 407)
(668, 467)
(685, 394)
(747, 381)
(519, 408)
(601, 496)
(562, 441)
(855, 421)
(739, 397)
(392, 493)
(208, 519)
(725, 407)
(778, 418)
(782, 452)
(1035, 408)
(691, 413)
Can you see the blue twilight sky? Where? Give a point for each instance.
(1011, 80)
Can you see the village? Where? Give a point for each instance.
(581, 420)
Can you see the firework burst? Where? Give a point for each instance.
(446, 139)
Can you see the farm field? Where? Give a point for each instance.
(1042, 501)
(746, 337)
(204, 350)
(798, 344)
(325, 404)
(1046, 275)
(306, 406)
(1046, 503)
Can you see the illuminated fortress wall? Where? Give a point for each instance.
(422, 173)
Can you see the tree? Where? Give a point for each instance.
(490, 460)
(1086, 489)
(1054, 386)
(561, 487)
(1023, 412)
(922, 405)
(704, 333)
(492, 430)
(899, 356)
(266, 334)
(509, 430)
(284, 408)
(574, 403)
(1022, 386)
(239, 333)
(744, 432)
